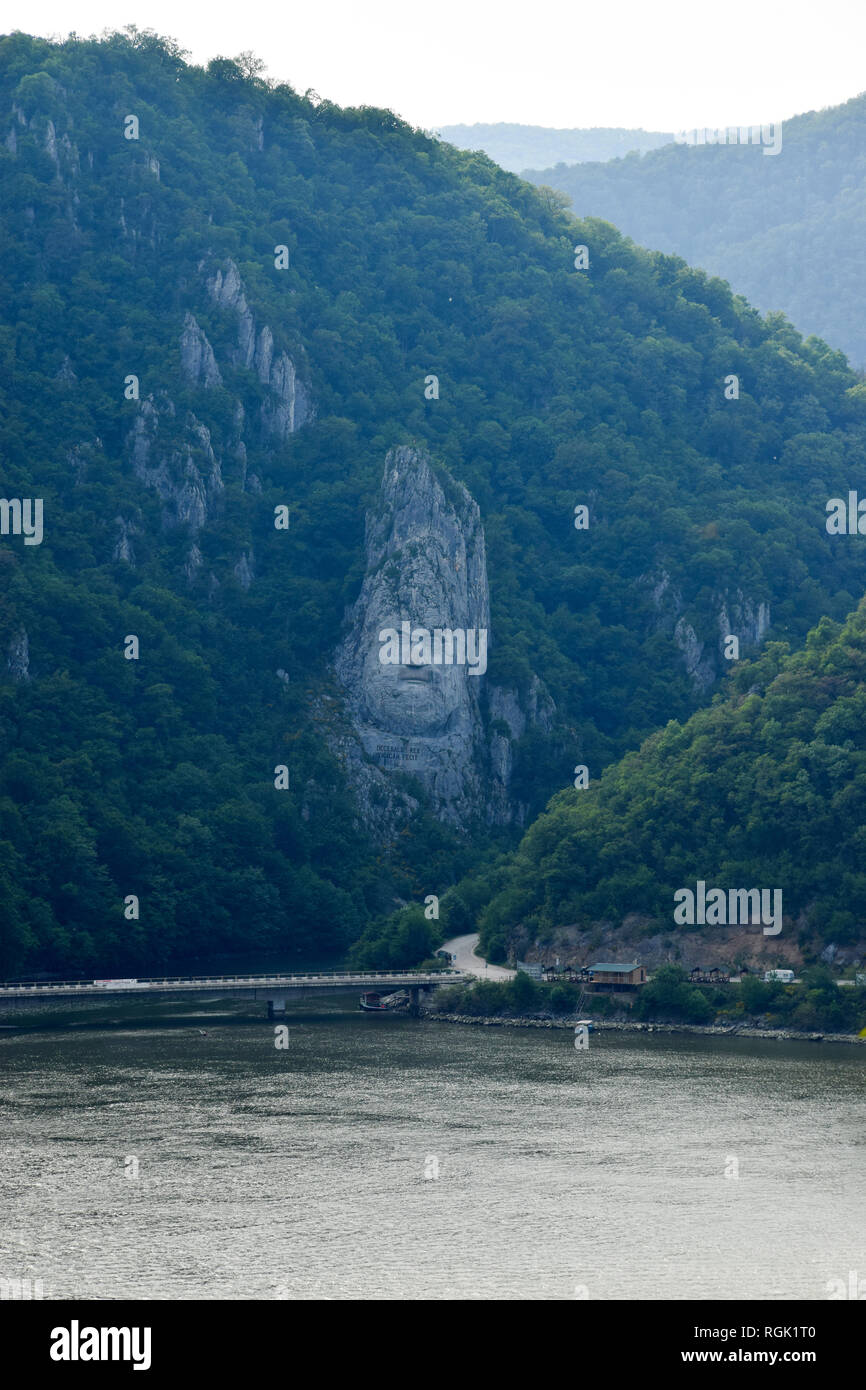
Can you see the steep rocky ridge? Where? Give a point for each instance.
(289, 407)
(177, 459)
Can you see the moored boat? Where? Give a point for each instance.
(371, 1002)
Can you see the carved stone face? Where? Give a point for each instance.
(425, 568)
(413, 698)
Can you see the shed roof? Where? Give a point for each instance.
(611, 967)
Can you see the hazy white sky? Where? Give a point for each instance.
(668, 65)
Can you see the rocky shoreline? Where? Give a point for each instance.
(734, 1030)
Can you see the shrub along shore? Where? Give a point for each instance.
(814, 1007)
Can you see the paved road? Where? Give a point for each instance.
(464, 948)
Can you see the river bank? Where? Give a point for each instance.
(624, 1026)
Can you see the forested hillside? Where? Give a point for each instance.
(171, 379)
(786, 228)
(766, 788)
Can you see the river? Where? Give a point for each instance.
(385, 1157)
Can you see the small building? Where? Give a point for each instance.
(618, 979)
(697, 975)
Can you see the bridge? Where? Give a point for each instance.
(271, 989)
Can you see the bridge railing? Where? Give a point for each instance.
(335, 976)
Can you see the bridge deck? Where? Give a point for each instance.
(274, 984)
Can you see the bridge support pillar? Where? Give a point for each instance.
(276, 1008)
(414, 1000)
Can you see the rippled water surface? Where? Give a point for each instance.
(266, 1173)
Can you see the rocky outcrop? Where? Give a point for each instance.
(18, 657)
(179, 465)
(517, 713)
(196, 355)
(244, 570)
(440, 723)
(59, 149)
(193, 564)
(288, 406)
(51, 143)
(736, 616)
(123, 549)
(749, 620)
(227, 291)
(65, 374)
(697, 661)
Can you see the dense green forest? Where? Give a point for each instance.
(155, 777)
(518, 147)
(767, 787)
(785, 229)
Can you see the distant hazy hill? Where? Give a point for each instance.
(519, 147)
(786, 230)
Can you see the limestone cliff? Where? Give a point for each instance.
(288, 406)
(180, 466)
(18, 657)
(175, 455)
(737, 615)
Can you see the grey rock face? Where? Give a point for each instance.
(289, 409)
(244, 570)
(193, 563)
(749, 620)
(123, 550)
(289, 405)
(18, 657)
(519, 713)
(226, 290)
(65, 373)
(737, 616)
(51, 142)
(185, 474)
(196, 355)
(426, 566)
(701, 667)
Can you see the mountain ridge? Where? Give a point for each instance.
(198, 776)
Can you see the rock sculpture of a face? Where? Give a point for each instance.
(426, 579)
